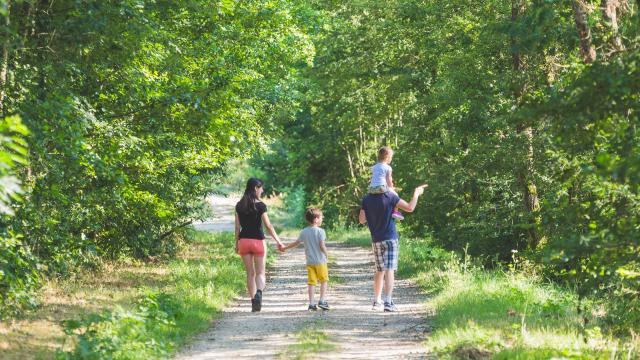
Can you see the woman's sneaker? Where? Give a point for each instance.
(312, 307)
(256, 302)
(377, 305)
(397, 215)
(390, 307)
(324, 305)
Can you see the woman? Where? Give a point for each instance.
(251, 213)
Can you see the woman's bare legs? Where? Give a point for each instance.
(248, 261)
(259, 266)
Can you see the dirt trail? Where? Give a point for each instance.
(355, 330)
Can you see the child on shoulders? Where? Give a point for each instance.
(313, 237)
(381, 177)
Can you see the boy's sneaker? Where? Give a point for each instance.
(324, 305)
(397, 215)
(312, 307)
(390, 307)
(377, 305)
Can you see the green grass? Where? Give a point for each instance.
(200, 284)
(483, 313)
(311, 339)
(334, 277)
(350, 236)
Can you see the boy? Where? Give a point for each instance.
(315, 250)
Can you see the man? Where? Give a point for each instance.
(376, 211)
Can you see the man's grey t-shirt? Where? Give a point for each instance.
(311, 236)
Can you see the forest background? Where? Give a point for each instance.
(118, 117)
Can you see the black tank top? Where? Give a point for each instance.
(251, 222)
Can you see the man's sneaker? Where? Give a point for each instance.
(390, 307)
(254, 305)
(312, 307)
(324, 305)
(377, 305)
(397, 215)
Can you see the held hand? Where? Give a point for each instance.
(420, 189)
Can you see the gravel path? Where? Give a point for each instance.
(356, 331)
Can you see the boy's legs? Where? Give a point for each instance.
(322, 270)
(312, 280)
(323, 290)
(312, 289)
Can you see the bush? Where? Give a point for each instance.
(20, 276)
(125, 334)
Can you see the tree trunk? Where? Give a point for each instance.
(525, 174)
(587, 50)
(610, 15)
(4, 69)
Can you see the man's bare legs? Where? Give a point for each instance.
(388, 284)
(386, 278)
(378, 279)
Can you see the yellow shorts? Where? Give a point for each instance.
(317, 273)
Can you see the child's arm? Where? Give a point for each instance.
(323, 248)
(390, 180)
(292, 245)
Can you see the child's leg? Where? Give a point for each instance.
(312, 290)
(323, 290)
(312, 280)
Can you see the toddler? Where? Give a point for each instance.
(381, 179)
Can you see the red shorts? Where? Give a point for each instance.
(251, 246)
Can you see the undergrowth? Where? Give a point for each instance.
(162, 320)
(508, 312)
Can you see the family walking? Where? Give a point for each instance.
(379, 210)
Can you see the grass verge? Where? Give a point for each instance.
(130, 310)
(499, 314)
(311, 339)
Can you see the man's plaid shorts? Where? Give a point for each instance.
(386, 254)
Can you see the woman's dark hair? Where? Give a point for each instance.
(248, 202)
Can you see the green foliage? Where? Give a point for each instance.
(19, 270)
(134, 110)
(121, 334)
(513, 314)
(294, 205)
(162, 321)
(525, 145)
